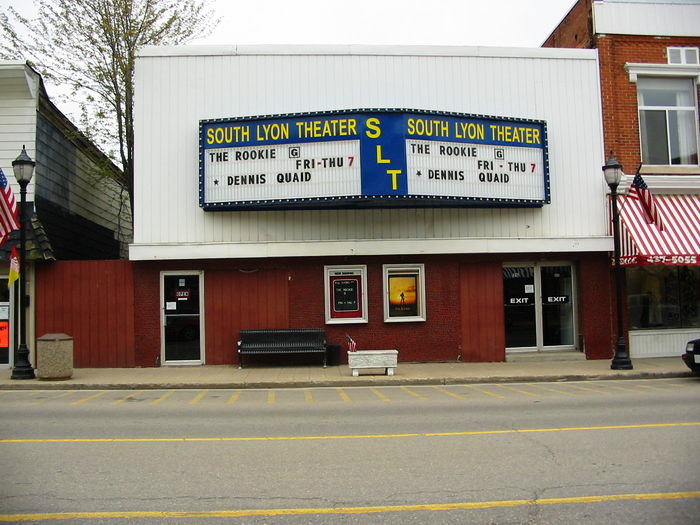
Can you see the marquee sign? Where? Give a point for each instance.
(372, 158)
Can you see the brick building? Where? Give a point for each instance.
(649, 76)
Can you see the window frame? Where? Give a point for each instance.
(356, 271)
(667, 71)
(415, 271)
(667, 110)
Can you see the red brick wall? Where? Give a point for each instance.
(619, 95)
(147, 314)
(434, 340)
(575, 30)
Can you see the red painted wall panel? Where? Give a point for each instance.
(92, 302)
(112, 308)
(234, 301)
(481, 299)
(596, 296)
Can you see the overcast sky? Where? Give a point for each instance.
(423, 22)
(519, 23)
(507, 23)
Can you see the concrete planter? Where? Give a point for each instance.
(54, 353)
(363, 359)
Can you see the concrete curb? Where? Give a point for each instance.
(361, 381)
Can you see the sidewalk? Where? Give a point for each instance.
(212, 377)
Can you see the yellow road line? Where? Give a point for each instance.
(353, 436)
(343, 395)
(616, 387)
(198, 397)
(484, 391)
(133, 394)
(653, 387)
(271, 396)
(234, 397)
(162, 398)
(414, 394)
(429, 507)
(555, 390)
(379, 394)
(308, 396)
(588, 389)
(443, 390)
(89, 398)
(520, 391)
(64, 394)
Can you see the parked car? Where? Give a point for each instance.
(692, 355)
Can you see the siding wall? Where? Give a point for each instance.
(92, 301)
(75, 185)
(175, 92)
(18, 92)
(647, 18)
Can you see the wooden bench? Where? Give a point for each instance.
(282, 341)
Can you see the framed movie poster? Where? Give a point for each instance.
(346, 298)
(404, 293)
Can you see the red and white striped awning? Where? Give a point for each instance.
(678, 243)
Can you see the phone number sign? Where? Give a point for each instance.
(372, 158)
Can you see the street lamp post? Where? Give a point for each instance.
(613, 175)
(23, 166)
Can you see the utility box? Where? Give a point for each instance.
(54, 356)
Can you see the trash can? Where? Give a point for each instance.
(54, 356)
(333, 355)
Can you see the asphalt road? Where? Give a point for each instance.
(593, 452)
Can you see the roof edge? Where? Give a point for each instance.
(368, 50)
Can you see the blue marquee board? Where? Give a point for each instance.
(372, 158)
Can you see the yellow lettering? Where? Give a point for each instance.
(394, 178)
(228, 135)
(373, 128)
(469, 130)
(380, 160)
(428, 127)
(515, 134)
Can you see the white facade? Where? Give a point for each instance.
(19, 89)
(651, 18)
(176, 87)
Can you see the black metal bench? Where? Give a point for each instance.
(282, 341)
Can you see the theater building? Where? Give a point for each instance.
(446, 202)
(650, 72)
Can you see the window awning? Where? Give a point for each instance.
(678, 243)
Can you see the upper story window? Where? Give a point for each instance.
(668, 120)
(682, 55)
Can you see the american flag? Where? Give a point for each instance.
(352, 345)
(640, 191)
(8, 209)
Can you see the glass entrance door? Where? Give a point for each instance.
(181, 319)
(519, 304)
(539, 307)
(557, 308)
